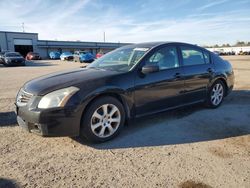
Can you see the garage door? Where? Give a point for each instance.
(23, 42)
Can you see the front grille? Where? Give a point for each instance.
(23, 97)
(16, 61)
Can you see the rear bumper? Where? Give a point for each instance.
(50, 122)
(86, 60)
(230, 82)
(230, 89)
(34, 58)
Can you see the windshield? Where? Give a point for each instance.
(12, 55)
(34, 53)
(122, 59)
(67, 53)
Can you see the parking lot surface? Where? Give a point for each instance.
(188, 147)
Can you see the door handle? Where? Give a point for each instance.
(210, 70)
(177, 75)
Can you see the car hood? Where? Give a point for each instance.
(48, 83)
(66, 55)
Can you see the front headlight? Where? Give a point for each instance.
(57, 98)
(7, 60)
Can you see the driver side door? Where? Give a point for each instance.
(158, 91)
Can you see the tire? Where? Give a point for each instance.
(216, 94)
(98, 126)
(5, 64)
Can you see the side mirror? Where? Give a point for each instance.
(150, 69)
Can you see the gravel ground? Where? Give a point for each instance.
(189, 147)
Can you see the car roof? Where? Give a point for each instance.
(4, 52)
(155, 44)
(12, 52)
(145, 45)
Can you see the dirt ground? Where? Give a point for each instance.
(189, 147)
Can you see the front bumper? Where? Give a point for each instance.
(15, 62)
(50, 122)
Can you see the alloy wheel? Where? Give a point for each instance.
(217, 94)
(105, 120)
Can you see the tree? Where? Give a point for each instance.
(240, 43)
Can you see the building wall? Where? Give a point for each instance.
(44, 47)
(47, 46)
(7, 39)
(3, 41)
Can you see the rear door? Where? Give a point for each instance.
(198, 71)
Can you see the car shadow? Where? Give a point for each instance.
(7, 119)
(8, 183)
(185, 125)
(37, 63)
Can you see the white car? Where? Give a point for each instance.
(66, 56)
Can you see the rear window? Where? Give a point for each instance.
(34, 53)
(207, 57)
(12, 54)
(67, 53)
(193, 56)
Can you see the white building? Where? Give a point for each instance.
(231, 49)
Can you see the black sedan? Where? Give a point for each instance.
(129, 82)
(12, 58)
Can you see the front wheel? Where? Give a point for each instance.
(103, 120)
(6, 64)
(216, 94)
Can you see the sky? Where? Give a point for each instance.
(203, 22)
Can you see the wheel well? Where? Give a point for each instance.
(225, 83)
(116, 96)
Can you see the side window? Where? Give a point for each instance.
(192, 56)
(207, 57)
(165, 58)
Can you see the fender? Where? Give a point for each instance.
(221, 77)
(126, 97)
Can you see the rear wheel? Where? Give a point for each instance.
(216, 94)
(103, 120)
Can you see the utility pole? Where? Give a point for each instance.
(23, 27)
(104, 37)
